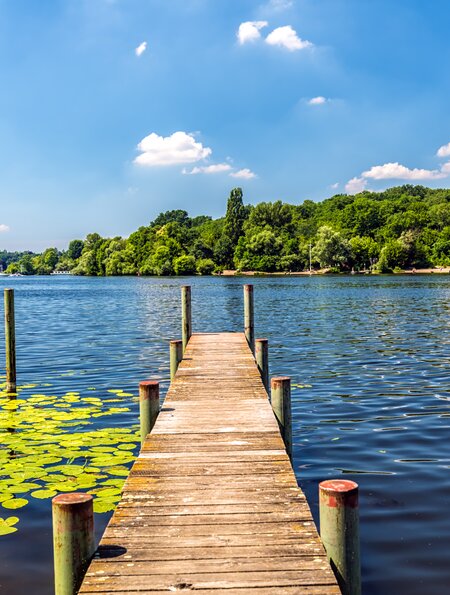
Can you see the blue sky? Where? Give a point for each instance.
(114, 110)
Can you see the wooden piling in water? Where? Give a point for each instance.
(186, 315)
(249, 318)
(176, 355)
(148, 406)
(10, 341)
(73, 540)
(280, 389)
(262, 360)
(339, 530)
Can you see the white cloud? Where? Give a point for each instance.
(445, 169)
(250, 31)
(215, 168)
(287, 37)
(179, 147)
(140, 49)
(4, 228)
(355, 185)
(390, 171)
(280, 4)
(317, 100)
(334, 186)
(444, 151)
(245, 174)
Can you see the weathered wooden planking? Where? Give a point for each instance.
(212, 503)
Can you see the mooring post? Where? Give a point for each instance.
(148, 406)
(249, 319)
(186, 315)
(73, 540)
(10, 341)
(176, 355)
(262, 360)
(339, 530)
(280, 389)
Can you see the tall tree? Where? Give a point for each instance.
(233, 228)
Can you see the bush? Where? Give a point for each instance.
(205, 266)
(184, 265)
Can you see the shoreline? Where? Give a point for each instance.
(429, 271)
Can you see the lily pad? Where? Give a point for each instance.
(15, 503)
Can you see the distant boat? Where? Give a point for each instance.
(15, 275)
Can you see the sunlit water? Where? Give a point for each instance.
(371, 356)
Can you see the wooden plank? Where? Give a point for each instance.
(305, 590)
(212, 503)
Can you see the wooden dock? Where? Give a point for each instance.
(212, 504)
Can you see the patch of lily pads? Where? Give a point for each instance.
(51, 444)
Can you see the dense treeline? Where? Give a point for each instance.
(403, 227)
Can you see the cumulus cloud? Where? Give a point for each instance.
(317, 100)
(287, 37)
(444, 151)
(140, 49)
(245, 174)
(335, 186)
(250, 31)
(355, 185)
(4, 228)
(215, 168)
(390, 171)
(445, 169)
(179, 147)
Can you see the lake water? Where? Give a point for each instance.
(371, 355)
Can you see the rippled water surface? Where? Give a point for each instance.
(370, 356)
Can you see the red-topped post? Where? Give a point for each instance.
(73, 540)
(148, 406)
(339, 530)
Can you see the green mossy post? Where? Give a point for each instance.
(73, 540)
(10, 341)
(262, 360)
(148, 406)
(186, 315)
(249, 319)
(176, 355)
(339, 530)
(280, 389)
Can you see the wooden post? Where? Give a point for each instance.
(176, 355)
(249, 324)
(262, 360)
(73, 540)
(186, 315)
(148, 406)
(10, 341)
(281, 405)
(339, 530)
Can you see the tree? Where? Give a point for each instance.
(233, 228)
(75, 249)
(331, 249)
(364, 250)
(184, 265)
(260, 252)
(394, 254)
(205, 266)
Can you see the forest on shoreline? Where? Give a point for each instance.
(402, 227)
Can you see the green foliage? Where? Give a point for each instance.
(405, 226)
(205, 266)
(75, 249)
(331, 249)
(184, 265)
